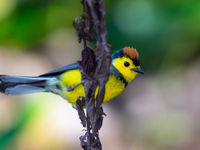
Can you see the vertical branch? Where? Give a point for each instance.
(95, 67)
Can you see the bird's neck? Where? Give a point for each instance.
(117, 74)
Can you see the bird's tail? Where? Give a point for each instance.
(22, 85)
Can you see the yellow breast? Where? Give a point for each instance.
(72, 78)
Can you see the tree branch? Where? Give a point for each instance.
(95, 67)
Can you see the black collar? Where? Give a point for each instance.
(115, 72)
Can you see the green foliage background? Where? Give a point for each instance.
(165, 32)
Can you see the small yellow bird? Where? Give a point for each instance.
(66, 81)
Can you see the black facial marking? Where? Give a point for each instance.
(126, 64)
(136, 62)
(119, 54)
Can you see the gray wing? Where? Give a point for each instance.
(59, 71)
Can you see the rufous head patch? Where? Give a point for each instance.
(131, 52)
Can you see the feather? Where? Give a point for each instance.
(23, 89)
(131, 52)
(22, 85)
(60, 70)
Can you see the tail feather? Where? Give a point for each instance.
(22, 85)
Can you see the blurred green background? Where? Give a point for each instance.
(158, 111)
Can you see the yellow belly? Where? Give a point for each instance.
(72, 78)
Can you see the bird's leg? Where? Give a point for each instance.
(69, 89)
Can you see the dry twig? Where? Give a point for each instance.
(95, 67)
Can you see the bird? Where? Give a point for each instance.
(66, 81)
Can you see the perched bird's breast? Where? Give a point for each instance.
(114, 87)
(72, 88)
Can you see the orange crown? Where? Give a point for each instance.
(131, 52)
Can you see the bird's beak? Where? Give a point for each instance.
(138, 70)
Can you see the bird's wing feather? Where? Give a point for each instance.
(60, 70)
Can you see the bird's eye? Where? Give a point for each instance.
(126, 64)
